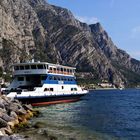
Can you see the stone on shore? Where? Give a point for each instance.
(3, 123)
(13, 114)
(12, 137)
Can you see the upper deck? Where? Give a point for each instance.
(42, 68)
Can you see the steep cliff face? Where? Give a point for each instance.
(18, 20)
(36, 29)
(74, 42)
(22, 35)
(122, 61)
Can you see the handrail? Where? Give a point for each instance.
(60, 72)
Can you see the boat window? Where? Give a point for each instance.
(71, 79)
(72, 89)
(40, 66)
(75, 89)
(20, 78)
(27, 78)
(50, 68)
(16, 68)
(51, 89)
(50, 78)
(62, 69)
(46, 89)
(62, 78)
(27, 67)
(33, 66)
(65, 79)
(21, 67)
(59, 78)
(62, 87)
(55, 78)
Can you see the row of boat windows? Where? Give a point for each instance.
(51, 89)
(57, 78)
(61, 70)
(27, 67)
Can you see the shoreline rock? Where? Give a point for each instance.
(13, 115)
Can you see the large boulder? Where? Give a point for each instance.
(3, 123)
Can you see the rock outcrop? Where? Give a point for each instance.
(12, 115)
(36, 29)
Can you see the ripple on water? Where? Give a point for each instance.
(101, 115)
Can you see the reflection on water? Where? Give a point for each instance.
(101, 115)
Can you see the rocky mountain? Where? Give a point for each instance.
(129, 67)
(35, 29)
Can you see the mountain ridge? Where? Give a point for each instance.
(34, 29)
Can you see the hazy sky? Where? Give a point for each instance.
(120, 18)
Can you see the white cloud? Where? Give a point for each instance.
(88, 20)
(135, 32)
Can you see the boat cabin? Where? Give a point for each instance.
(42, 68)
(28, 76)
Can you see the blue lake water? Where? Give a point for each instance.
(101, 115)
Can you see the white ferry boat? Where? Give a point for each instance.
(41, 83)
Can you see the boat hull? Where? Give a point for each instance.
(48, 100)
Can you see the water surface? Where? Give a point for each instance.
(101, 115)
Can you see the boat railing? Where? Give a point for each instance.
(60, 72)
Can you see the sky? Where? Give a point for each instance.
(120, 18)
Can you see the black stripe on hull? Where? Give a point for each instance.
(47, 100)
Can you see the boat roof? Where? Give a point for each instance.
(43, 63)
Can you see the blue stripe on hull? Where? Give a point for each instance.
(52, 81)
